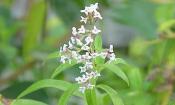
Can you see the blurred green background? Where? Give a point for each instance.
(142, 31)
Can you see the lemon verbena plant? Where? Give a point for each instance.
(81, 49)
(85, 50)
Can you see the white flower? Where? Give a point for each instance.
(111, 48)
(90, 9)
(88, 40)
(83, 19)
(94, 7)
(65, 47)
(83, 69)
(63, 59)
(74, 31)
(89, 65)
(70, 45)
(73, 40)
(97, 15)
(95, 30)
(86, 56)
(81, 30)
(86, 10)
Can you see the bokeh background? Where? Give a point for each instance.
(142, 31)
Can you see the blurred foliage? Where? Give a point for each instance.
(30, 38)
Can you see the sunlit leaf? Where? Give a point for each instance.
(117, 70)
(67, 94)
(112, 93)
(27, 102)
(59, 84)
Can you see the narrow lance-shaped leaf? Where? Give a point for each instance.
(98, 43)
(27, 102)
(112, 93)
(61, 68)
(53, 55)
(120, 61)
(62, 85)
(115, 69)
(91, 97)
(33, 26)
(67, 94)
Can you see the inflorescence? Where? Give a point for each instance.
(79, 48)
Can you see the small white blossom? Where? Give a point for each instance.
(88, 40)
(65, 47)
(74, 31)
(89, 65)
(94, 6)
(86, 10)
(70, 45)
(81, 30)
(83, 19)
(95, 30)
(90, 9)
(86, 56)
(83, 69)
(97, 15)
(73, 40)
(63, 59)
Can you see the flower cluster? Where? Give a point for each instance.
(79, 48)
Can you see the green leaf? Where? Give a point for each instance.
(61, 68)
(135, 78)
(67, 94)
(33, 26)
(62, 85)
(117, 70)
(53, 55)
(98, 43)
(27, 102)
(112, 93)
(91, 97)
(120, 61)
